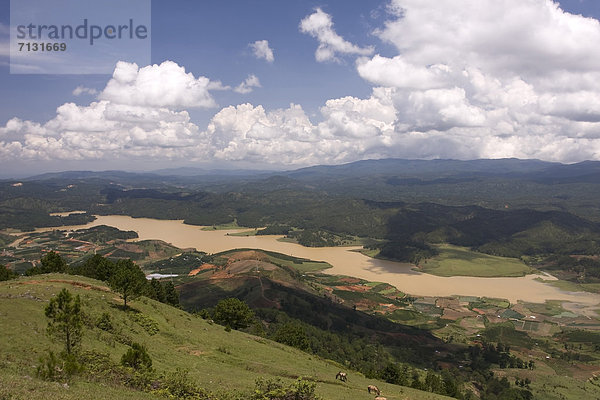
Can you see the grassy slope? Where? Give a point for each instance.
(574, 287)
(215, 359)
(460, 261)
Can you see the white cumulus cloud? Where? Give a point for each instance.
(79, 90)
(320, 26)
(164, 85)
(261, 50)
(247, 85)
(137, 116)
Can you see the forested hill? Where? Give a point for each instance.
(401, 207)
(426, 168)
(417, 170)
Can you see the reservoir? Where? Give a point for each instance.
(346, 262)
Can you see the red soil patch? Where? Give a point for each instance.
(132, 248)
(363, 304)
(72, 283)
(204, 267)
(583, 371)
(220, 275)
(448, 303)
(247, 255)
(453, 315)
(350, 280)
(354, 288)
(242, 266)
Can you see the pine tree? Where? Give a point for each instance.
(66, 322)
(172, 297)
(128, 280)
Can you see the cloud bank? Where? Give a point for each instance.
(489, 79)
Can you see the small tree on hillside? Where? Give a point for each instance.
(96, 267)
(233, 313)
(52, 262)
(66, 322)
(292, 334)
(6, 273)
(172, 297)
(156, 291)
(128, 280)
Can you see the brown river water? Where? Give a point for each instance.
(347, 262)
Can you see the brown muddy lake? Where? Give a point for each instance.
(345, 261)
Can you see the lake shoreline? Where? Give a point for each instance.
(345, 261)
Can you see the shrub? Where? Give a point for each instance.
(137, 357)
(53, 368)
(293, 335)
(178, 385)
(234, 313)
(269, 389)
(149, 325)
(104, 322)
(6, 273)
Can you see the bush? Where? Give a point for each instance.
(100, 368)
(61, 368)
(270, 389)
(293, 335)
(50, 262)
(233, 313)
(178, 385)
(49, 367)
(205, 313)
(137, 357)
(104, 322)
(6, 273)
(149, 325)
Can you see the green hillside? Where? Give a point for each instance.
(226, 364)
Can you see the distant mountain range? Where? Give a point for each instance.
(423, 170)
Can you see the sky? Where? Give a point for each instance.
(270, 84)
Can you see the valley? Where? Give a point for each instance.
(347, 261)
(457, 285)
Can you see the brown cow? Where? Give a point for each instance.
(342, 375)
(374, 389)
(380, 398)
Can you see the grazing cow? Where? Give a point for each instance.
(374, 389)
(342, 375)
(380, 398)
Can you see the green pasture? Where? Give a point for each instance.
(460, 261)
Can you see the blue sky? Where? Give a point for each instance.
(397, 78)
(211, 38)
